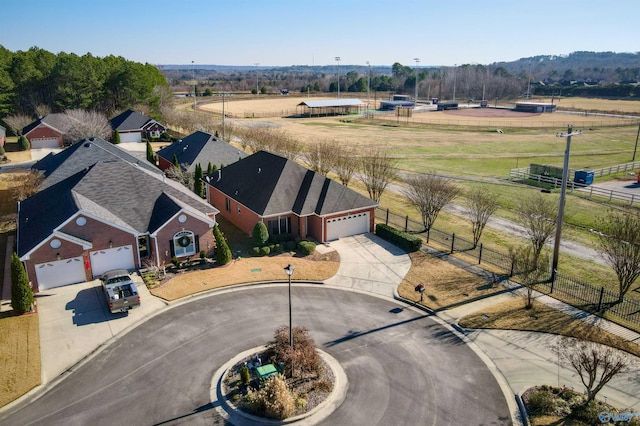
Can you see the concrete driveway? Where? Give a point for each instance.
(74, 322)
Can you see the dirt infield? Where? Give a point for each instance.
(491, 112)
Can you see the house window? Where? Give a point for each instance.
(280, 226)
(143, 246)
(184, 243)
(227, 204)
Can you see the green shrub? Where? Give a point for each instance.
(203, 254)
(116, 138)
(21, 293)
(290, 245)
(260, 234)
(277, 248)
(307, 247)
(175, 261)
(255, 251)
(265, 251)
(588, 413)
(223, 252)
(1, 150)
(401, 239)
(540, 402)
(245, 377)
(23, 143)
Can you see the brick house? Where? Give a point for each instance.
(199, 148)
(288, 198)
(134, 126)
(114, 213)
(49, 131)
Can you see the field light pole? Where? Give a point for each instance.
(369, 86)
(256, 64)
(289, 270)
(561, 203)
(415, 102)
(338, 60)
(193, 70)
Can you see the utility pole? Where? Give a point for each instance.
(415, 102)
(368, 86)
(338, 60)
(257, 92)
(195, 85)
(635, 148)
(561, 203)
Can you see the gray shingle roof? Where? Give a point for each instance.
(270, 185)
(129, 120)
(81, 155)
(117, 192)
(332, 103)
(57, 121)
(203, 148)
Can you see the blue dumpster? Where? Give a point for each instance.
(583, 176)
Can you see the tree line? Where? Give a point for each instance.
(35, 80)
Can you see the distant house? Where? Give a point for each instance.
(134, 126)
(288, 198)
(199, 148)
(3, 136)
(49, 131)
(100, 208)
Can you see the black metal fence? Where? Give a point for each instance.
(595, 299)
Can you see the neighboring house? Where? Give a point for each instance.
(288, 198)
(115, 213)
(3, 136)
(49, 131)
(199, 148)
(134, 126)
(84, 154)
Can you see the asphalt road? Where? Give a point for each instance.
(403, 368)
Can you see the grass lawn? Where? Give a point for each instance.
(19, 355)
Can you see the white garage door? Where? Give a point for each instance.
(60, 272)
(347, 225)
(130, 137)
(112, 258)
(37, 143)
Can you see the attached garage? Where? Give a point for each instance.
(131, 137)
(346, 226)
(37, 143)
(60, 272)
(111, 258)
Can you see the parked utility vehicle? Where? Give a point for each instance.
(120, 290)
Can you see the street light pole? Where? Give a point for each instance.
(289, 270)
(561, 203)
(415, 102)
(338, 59)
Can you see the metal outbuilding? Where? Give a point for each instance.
(330, 107)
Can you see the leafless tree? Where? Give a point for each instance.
(377, 170)
(41, 110)
(17, 122)
(26, 184)
(537, 215)
(321, 157)
(529, 269)
(86, 124)
(596, 364)
(182, 175)
(480, 206)
(429, 193)
(346, 163)
(619, 239)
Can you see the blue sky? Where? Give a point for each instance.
(285, 32)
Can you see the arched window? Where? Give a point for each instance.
(184, 243)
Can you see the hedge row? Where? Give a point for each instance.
(401, 239)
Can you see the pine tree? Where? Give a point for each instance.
(175, 161)
(210, 168)
(198, 187)
(21, 293)
(223, 252)
(116, 137)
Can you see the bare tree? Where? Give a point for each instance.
(26, 184)
(529, 269)
(17, 122)
(41, 110)
(284, 145)
(377, 170)
(429, 193)
(596, 364)
(619, 239)
(346, 163)
(86, 124)
(480, 206)
(182, 175)
(321, 157)
(537, 215)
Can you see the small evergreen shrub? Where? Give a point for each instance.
(255, 251)
(265, 251)
(260, 234)
(307, 247)
(21, 293)
(277, 248)
(203, 254)
(175, 261)
(290, 245)
(245, 377)
(540, 402)
(401, 239)
(1, 151)
(223, 252)
(23, 143)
